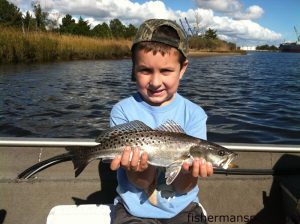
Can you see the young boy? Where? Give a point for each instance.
(159, 56)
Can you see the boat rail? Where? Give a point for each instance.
(63, 142)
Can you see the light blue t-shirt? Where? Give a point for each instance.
(192, 119)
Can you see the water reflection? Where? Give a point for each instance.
(252, 98)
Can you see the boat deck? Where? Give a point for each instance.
(235, 198)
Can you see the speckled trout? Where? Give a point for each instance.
(167, 146)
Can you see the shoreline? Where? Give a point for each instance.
(41, 47)
(74, 57)
(199, 53)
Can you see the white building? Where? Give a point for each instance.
(248, 48)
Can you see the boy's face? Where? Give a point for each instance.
(158, 76)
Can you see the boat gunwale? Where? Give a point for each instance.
(63, 142)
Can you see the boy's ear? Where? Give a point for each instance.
(183, 68)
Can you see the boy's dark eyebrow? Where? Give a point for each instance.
(167, 69)
(142, 67)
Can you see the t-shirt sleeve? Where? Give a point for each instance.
(117, 116)
(197, 124)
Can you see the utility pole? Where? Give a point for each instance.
(189, 27)
(297, 34)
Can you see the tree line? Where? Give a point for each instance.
(266, 47)
(115, 28)
(10, 15)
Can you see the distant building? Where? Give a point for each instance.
(248, 48)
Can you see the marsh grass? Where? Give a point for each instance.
(31, 47)
(200, 43)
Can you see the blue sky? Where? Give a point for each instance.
(280, 16)
(245, 22)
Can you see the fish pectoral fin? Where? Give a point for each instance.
(172, 171)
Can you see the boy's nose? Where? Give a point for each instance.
(155, 80)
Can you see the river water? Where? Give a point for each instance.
(253, 98)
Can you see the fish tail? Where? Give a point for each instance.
(29, 172)
(80, 157)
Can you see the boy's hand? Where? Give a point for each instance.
(188, 179)
(139, 173)
(199, 168)
(137, 163)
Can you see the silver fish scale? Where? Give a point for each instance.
(119, 130)
(168, 145)
(143, 138)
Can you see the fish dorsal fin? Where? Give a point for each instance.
(170, 126)
(133, 126)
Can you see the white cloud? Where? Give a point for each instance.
(105, 10)
(230, 29)
(233, 8)
(235, 25)
(225, 6)
(244, 29)
(253, 12)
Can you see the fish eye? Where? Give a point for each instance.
(221, 153)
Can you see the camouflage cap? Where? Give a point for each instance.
(147, 29)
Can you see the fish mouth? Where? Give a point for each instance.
(227, 163)
(232, 165)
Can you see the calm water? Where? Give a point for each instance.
(253, 98)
